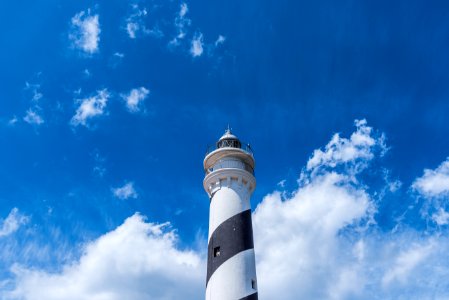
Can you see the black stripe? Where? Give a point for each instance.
(232, 236)
(251, 297)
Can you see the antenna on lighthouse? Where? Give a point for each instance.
(229, 182)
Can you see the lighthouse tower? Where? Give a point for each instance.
(230, 181)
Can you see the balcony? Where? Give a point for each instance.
(231, 164)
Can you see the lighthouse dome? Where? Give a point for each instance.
(229, 140)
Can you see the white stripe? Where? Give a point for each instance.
(226, 203)
(232, 280)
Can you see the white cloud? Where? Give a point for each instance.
(181, 24)
(13, 121)
(405, 263)
(99, 168)
(115, 59)
(132, 28)
(322, 242)
(434, 183)
(183, 10)
(135, 98)
(196, 48)
(33, 117)
(12, 222)
(354, 151)
(441, 217)
(87, 73)
(85, 32)
(35, 90)
(90, 107)
(135, 22)
(319, 241)
(220, 40)
(299, 252)
(125, 192)
(138, 260)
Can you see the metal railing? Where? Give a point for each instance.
(245, 147)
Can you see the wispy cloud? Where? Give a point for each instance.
(90, 107)
(116, 59)
(182, 22)
(135, 22)
(183, 10)
(99, 168)
(13, 121)
(220, 40)
(404, 264)
(12, 222)
(35, 91)
(196, 48)
(135, 98)
(33, 117)
(85, 32)
(125, 192)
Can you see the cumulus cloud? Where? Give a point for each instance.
(85, 32)
(135, 98)
(125, 192)
(433, 186)
(354, 152)
(434, 183)
(138, 260)
(12, 222)
(196, 48)
(33, 117)
(321, 240)
(90, 107)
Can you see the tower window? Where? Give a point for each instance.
(253, 284)
(216, 251)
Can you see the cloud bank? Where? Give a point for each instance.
(319, 241)
(138, 260)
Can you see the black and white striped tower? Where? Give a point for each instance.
(230, 181)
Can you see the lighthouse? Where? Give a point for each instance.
(230, 182)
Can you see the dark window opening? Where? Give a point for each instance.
(253, 284)
(216, 251)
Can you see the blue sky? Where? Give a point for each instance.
(107, 109)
